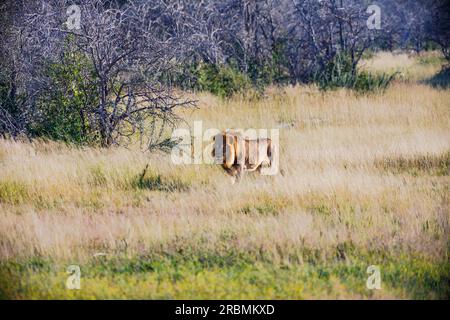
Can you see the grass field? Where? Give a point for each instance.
(366, 183)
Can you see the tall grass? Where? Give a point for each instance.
(366, 182)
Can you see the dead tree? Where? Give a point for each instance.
(126, 52)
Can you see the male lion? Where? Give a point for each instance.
(238, 154)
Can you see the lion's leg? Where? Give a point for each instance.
(233, 173)
(239, 172)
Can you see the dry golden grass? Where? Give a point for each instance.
(364, 174)
(409, 67)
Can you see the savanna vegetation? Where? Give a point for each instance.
(90, 94)
(366, 183)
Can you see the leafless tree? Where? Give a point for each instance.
(13, 101)
(126, 51)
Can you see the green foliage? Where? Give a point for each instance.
(157, 182)
(431, 60)
(367, 82)
(228, 79)
(266, 205)
(438, 165)
(368, 54)
(341, 73)
(64, 108)
(226, 276)
(270, 71)
(223, 81)
(12, 192)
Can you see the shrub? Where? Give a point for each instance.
(223, 81)
(367, 82)
(62, 107)
(340, 73)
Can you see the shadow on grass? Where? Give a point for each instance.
(440, 80)
(157, 182)
(438, 165)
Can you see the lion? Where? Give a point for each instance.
(241, 154)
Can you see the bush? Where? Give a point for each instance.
(223, 81)
(272, 70)
(340, 73)
(367, 82)
(62, 109)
